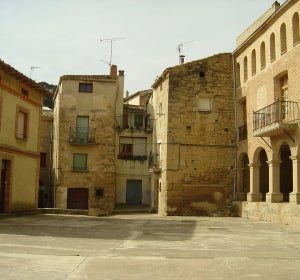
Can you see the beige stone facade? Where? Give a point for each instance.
(193, 137)
(20, 119)
(267, 70)
(84, 141)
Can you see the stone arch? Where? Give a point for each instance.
(272, 47)
(262, 55)
(245, 68)
(253, 62)
(243, 177)
(296, 33)
(283, 40)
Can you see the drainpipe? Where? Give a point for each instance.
(235, 125)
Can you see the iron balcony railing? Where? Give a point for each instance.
(278, 112)
(243, 132)
(82, 135)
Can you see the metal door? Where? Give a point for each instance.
(134, 192)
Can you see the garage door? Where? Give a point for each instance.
(78, 198)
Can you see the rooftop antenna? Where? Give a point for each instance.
(33, 68)
(180, 50)
(110, 40)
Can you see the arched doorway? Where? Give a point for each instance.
(263, 174)
(286, 172)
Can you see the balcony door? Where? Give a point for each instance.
(82, 129)
(284, 98)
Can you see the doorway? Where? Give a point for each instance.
(134, 192)
(4, 185)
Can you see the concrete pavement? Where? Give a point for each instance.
(145, 246)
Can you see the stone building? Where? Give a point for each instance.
(267, 71)
(46, 191)
(133, 142)
(20, 124)
(84, 141)
(193, 149)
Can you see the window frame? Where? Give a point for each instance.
(25, 129)
(85, 87)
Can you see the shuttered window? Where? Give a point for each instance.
(22, 123)
(80, 161)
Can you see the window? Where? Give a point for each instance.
(138, 121)
(238, 74)
(24, 92)
(245, 69)
(253, 62)
(296, 33)
(132, 148)
(82, 129)
(43, 159)
(262, 55)
(22, 123)
(272, 47)
(204, 104)
(80, 161)
(85, 87)
(283, 46)
(160, 109)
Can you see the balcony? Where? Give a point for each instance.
(243, 133)
(82, 135)
(275, 119)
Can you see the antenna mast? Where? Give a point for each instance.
(33, 68)
(110, 40)
(180, 50)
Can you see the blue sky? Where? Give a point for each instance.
(63, 36)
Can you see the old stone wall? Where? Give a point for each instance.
(201, 136)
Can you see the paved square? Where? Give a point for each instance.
(144, 246)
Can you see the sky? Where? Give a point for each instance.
(64, 37)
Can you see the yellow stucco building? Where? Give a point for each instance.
(20, 118)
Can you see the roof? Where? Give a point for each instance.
(139, 93)
(184, 65)
(24, 79)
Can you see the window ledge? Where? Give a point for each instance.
(132, 157)
(80, 170)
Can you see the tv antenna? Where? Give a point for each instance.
(110, 40)
(33, 68)
(180, 51)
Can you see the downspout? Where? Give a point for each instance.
(235, 126)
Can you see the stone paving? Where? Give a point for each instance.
(144, 246)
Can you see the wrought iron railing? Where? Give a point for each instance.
(82, 135)
(243, 132)
(278, 112)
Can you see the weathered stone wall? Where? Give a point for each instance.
(198, 156)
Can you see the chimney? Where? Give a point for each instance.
(181, 59)
(113, 71)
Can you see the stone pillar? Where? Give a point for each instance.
(274, 194)
(295, 195)
(240, 195)
(254, 194)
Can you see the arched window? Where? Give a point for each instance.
(283, 46)
(272, 47)
(238, 74)
(245, 69)
(253, 62)
(296, 35)
(262, 55)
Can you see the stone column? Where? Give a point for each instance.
(240, 195)
(295, 195)
(254, 194)
(274, 194)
